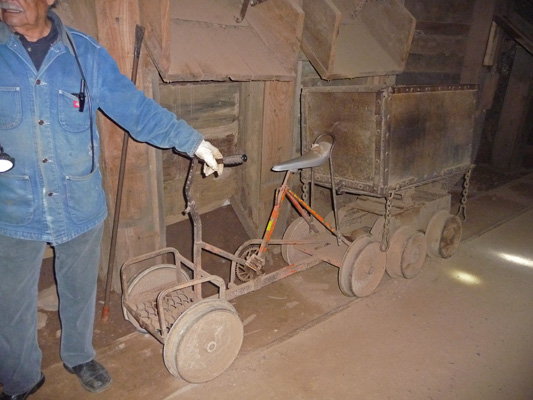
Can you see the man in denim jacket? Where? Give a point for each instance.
(54, 194)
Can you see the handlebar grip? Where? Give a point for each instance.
(235, 159)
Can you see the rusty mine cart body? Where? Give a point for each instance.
(386, 154)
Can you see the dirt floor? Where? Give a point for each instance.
(305, 317)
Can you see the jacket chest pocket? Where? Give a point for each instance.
(10, 107)
(70, 117)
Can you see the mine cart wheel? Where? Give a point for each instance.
(149, 279)
(443, 234)
(362, 267)
(406, 253)
(204, 341)
(298, 230)
(243, 272)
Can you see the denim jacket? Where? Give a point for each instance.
(51, 194)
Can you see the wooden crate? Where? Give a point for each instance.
(350, 39)
(201, 40)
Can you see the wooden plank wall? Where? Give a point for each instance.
(439, 43)
(79, 14)
(212, 109)
(254, 118)
(157, 34)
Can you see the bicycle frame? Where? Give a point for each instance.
(256, 262)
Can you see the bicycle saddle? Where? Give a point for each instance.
(316, 156)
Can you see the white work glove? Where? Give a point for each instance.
(209, 153)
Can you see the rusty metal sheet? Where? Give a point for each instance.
(349, 115)
(390, 137)
(431, 134)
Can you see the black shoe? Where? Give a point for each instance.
(92, 375)
(25, 395)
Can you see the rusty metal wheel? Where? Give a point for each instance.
(443, 234)
(204, 341)
(406, 253)
(243, 272)
(362, 267)
(298, 230)
(153, 279)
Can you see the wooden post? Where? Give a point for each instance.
(247, 201)
(476, 48)
(477, 40)
(141, 225)
(511, 135)
(267, 137)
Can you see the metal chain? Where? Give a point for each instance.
(464, 193)
(385, 235)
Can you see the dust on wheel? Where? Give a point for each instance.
(298, 230)
(204, 341)
(153, 279)
(443, 234)
(407, 253)
(362, 267)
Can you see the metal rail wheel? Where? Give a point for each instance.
(362, 268)
(204, 341)
(149, 281)
(298, 229)
(443, 234)
(407, 253)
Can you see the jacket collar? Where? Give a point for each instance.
(6, 32)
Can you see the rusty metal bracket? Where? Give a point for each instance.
(244, 8)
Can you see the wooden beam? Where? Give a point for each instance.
(140, 229)
(267, 135)
(246, 202)
(277, 128)
(477, 40)
(510, 138)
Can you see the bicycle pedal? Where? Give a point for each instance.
(258, 269)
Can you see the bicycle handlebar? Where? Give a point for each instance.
(235, 159)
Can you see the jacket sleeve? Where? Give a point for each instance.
(141, 116)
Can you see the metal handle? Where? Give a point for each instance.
(235, 159)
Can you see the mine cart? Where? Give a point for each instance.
(397, 151)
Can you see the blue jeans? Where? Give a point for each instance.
(76, 272)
